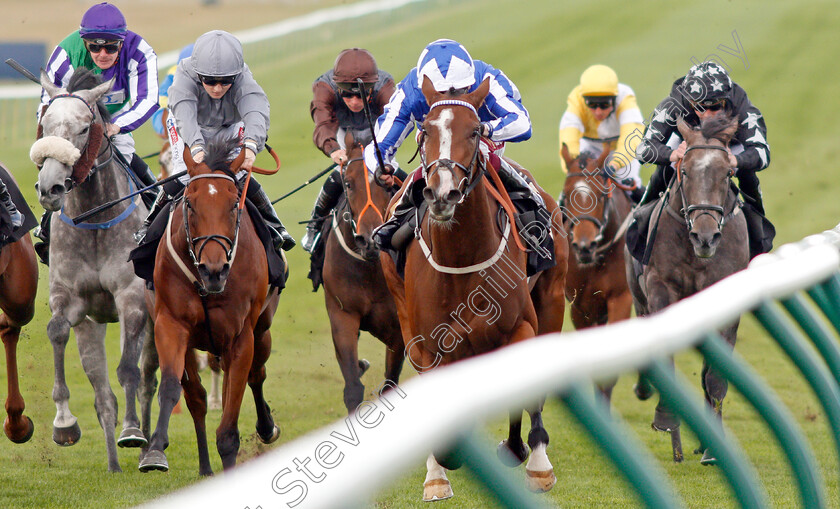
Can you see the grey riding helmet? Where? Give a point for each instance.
(217, 53)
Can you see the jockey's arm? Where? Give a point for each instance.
(510, 121)
(392, 127)
(322, 110)
(142, 89)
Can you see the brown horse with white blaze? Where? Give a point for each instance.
(465, 290)
(595, 211)
(355, 292)
(221, 302)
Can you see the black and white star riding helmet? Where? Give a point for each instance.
(707, 82)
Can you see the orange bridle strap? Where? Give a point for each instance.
(501, 195)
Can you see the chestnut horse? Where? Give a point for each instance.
(221, 302)
(701, 238)
(465, 290)
(355, 292)
(595, 211)
(18, 285)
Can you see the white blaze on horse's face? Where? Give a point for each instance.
(212, 190)
(446, 182)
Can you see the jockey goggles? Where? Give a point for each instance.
(212, 81)
(598, 102)
(709, 105)
(97, 45)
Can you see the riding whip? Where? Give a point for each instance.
(84, 215)
(23, 70)
(379, 158)
(311, 180)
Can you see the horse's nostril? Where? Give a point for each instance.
(453, 196)
(360, 241)
(57, 190)
(428, 194)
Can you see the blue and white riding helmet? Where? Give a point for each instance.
(447, 64)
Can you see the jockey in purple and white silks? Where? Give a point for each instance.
(104, 45)
(449, 66)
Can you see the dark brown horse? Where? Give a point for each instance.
(701, 238)
(211, 293)
(595, 211)
(355, 291)
(465, 290)
(18, 285)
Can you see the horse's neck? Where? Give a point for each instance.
(472, 235)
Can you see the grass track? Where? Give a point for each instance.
(543, 46)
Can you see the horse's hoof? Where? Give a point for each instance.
(275, 434)
(509, 457)
(132, 437)
(643, 391)
(215, 404)
(30, 429)
(67, 436)
(364, 365)
(436, 489)
(540, 482)
(708, 459)
(154, 460)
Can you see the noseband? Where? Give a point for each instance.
(227, 244)
(348, 214)
(704, 208)
(600, 224)
(468, 183)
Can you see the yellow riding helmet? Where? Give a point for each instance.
(599, 80)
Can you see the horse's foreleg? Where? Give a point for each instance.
(267, 431)
(539, 472)
(345, 334)
(18, 427)
(664, 419)
(513, 451)
(196, 398)
(618, 309)
(393, 364)
(238, 360)
(215, 399)
(133, 332)
(66, 429)
(436, 486)
(90, 337)
(715, 387)
(171, 341)
(148, 384)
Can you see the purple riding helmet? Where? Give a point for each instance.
(103, 21)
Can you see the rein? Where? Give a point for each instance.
(347, 216)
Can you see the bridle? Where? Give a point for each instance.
(715, 211)
(602, 223)
(348, 216)
(468, 182)
(202, 241)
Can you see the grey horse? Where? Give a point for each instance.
(701, 238)
(91, 282)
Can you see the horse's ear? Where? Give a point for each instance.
(349, 140)
(567, 156)
(48, 85)
(429, 91)
(477, 96)
(98, 91)
(688, 134)
(188, 160)
(599, 163)
(234, 166)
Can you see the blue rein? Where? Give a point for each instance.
(107, 224)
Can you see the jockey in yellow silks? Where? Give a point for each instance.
(601, 110)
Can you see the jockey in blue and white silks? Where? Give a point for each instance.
(448, 65)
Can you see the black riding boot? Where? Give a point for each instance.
(43, 232)
(636, 194)
(6, 201)
(279, 236)
(326, 201)
(760, 231)
(141, 169)
(160, 201)
(383, 234)
(657, 185)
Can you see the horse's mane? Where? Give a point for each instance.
(85, 79)
(218, 152)
(585, 157)
(361, 136)
(713, 127)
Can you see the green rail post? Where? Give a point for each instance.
(821, 336)
(635, 464)
(823, 301)
(790, 339)
(742, 478)
(799, 454)
(491, 474)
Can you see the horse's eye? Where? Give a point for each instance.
(85, 130)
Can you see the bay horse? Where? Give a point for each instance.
(355, 291)
(18, 286)
(701, 238)
(594, 216)
(90, 283)
(219, 300)
(465, 290)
